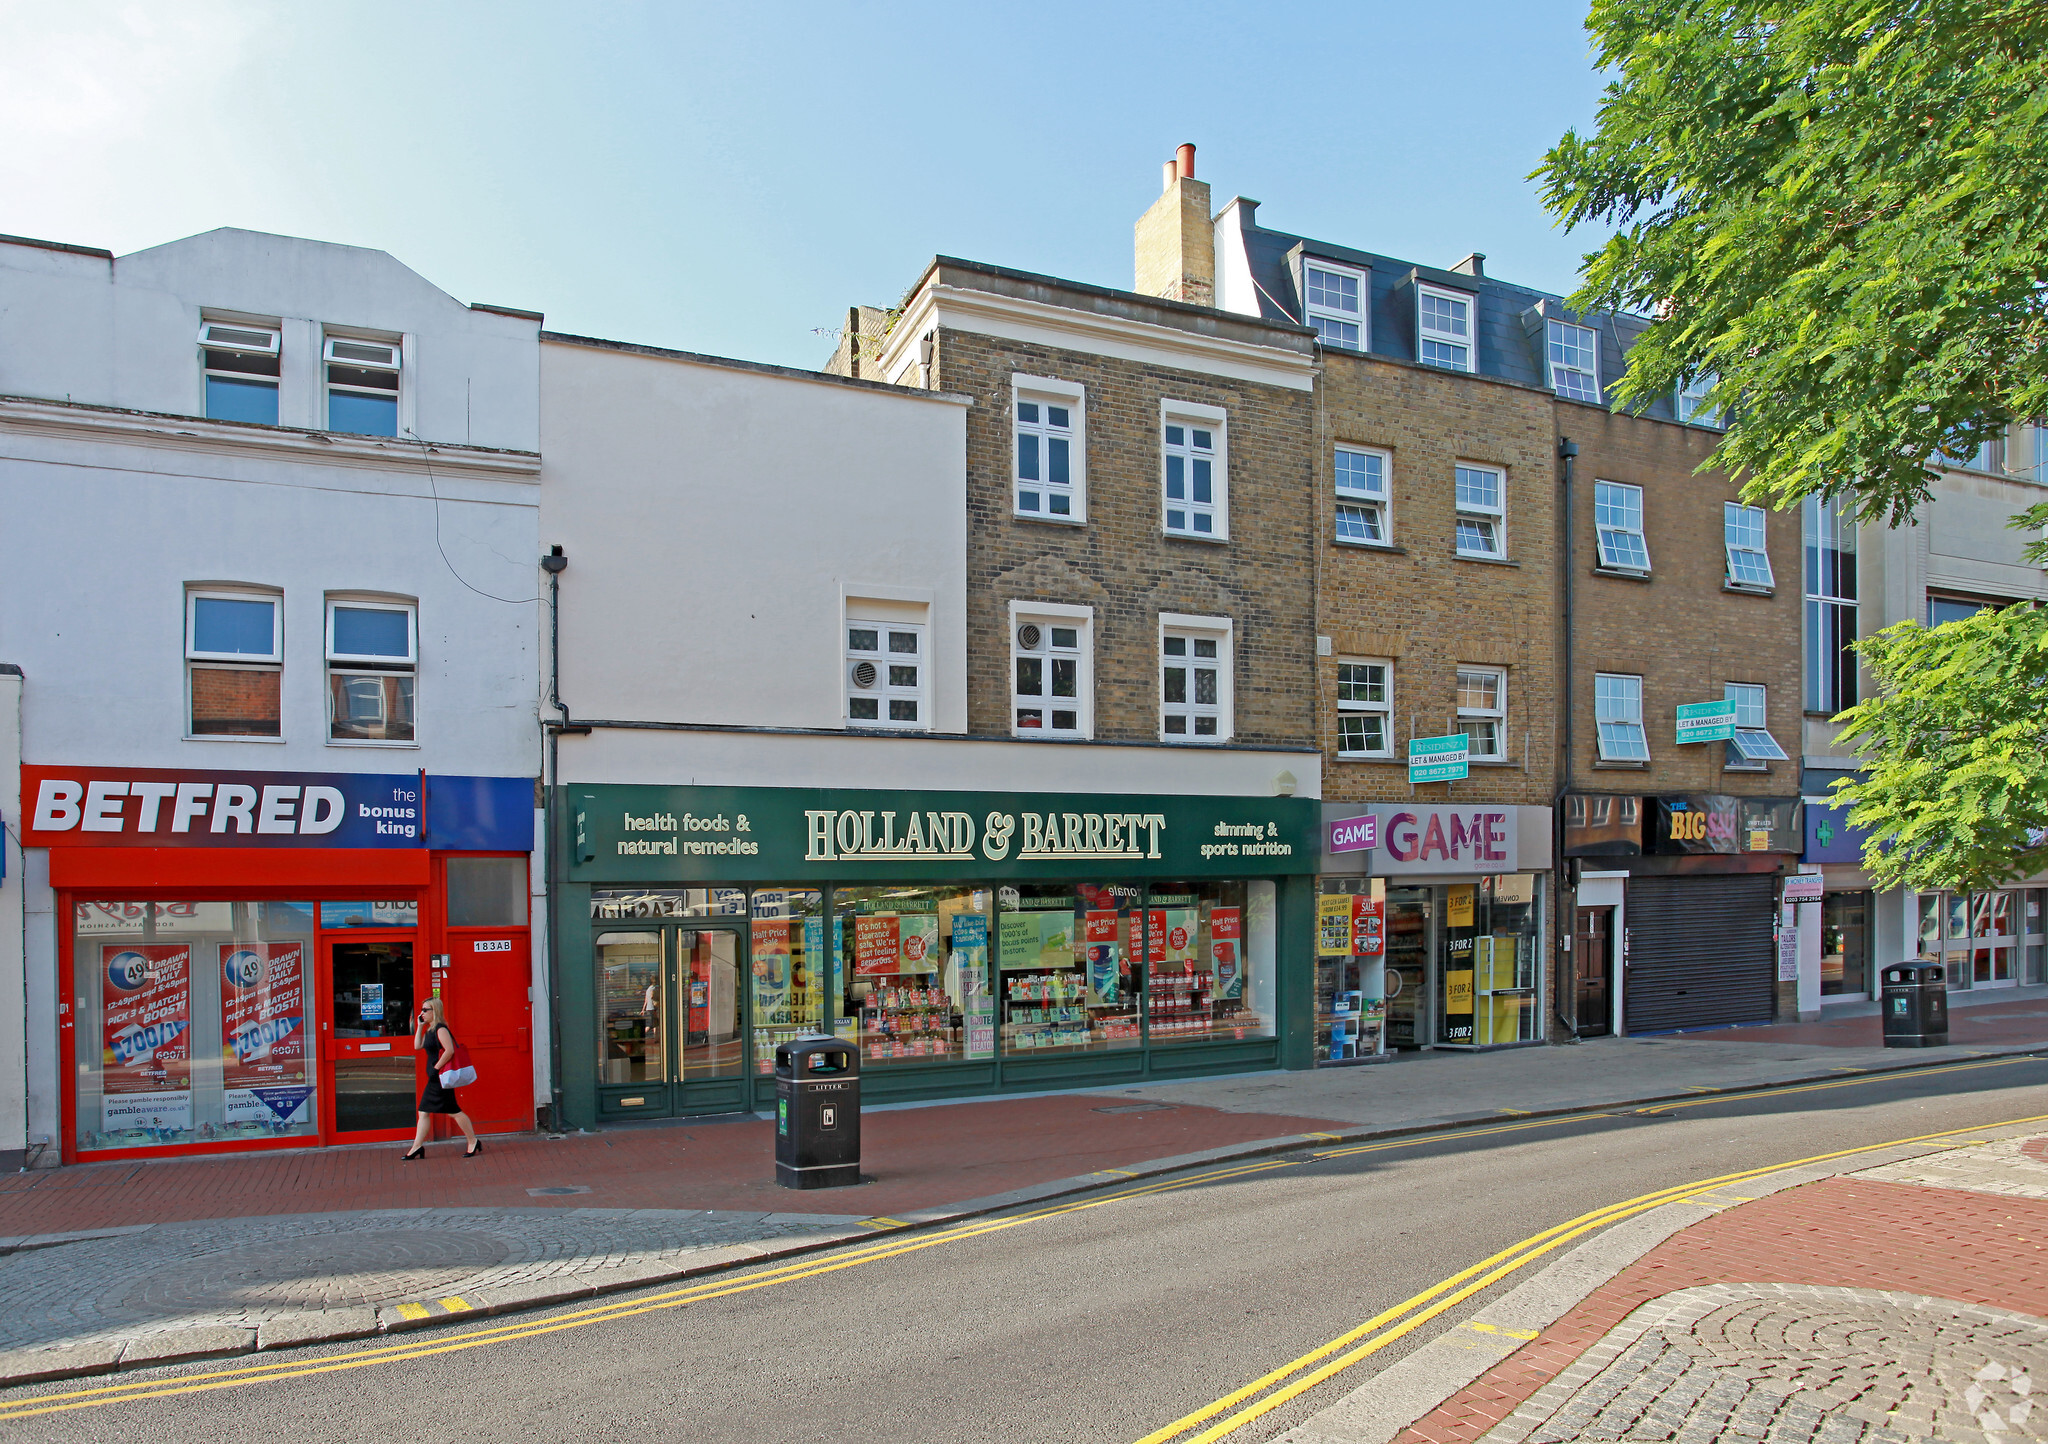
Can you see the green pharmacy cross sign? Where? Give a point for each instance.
(1439, 759)
(1706, 722)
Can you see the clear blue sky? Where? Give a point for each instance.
(728, 178)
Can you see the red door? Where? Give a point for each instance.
(487, 995)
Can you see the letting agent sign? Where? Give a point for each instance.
(1706, 722)
(1439, 759)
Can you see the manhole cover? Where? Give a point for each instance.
(557, 1191)
(1139, 1108)
(319, 1271)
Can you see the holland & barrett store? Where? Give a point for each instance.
(967, 942)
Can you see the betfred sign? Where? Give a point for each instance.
(162, 807)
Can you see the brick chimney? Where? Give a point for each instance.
(1176, 242)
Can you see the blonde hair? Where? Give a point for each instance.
(434, 1014)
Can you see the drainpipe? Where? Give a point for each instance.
(554, 563)
(1567, 452)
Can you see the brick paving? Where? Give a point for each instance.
(1920, 1241)
(919, 1158)
(1980, 1025)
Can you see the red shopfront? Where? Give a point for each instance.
(243, 953)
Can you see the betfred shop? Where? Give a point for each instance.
(967, 943)
(243, 953)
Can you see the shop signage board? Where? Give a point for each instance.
(1439, 759)
(1706, 722)
(1829, 837)
(188, 807)
(654, 834)
(1707, 822)
(1420, 839)
(1788, 955)
(1805, 887)
(1354, 834)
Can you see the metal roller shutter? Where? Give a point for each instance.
(1701, 952)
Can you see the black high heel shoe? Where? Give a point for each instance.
(473, 1152)
(417, 1151)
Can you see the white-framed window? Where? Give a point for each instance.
(1753, 747)
(1444, 331)
(239, 371)
(1482, 505)
(362, 385)
(1194, 678)
(1483, 711)
(1618, 717)
(1618, 520)
(1749, 564)
(234, 662)
(1051, 670)
(372, 670)
(885, 674)
(1195, 475)
(1336, 299)
(1362, 478)
(1574, 356)
(1692, 401)
(1365, 707)
(1049, 422)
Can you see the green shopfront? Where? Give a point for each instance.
(967, 942)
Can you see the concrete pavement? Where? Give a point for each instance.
(228, 1254)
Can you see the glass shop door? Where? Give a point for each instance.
(1410, 953)
(369, 986)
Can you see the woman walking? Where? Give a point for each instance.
(430, 1032)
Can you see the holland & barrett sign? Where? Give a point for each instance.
(777, 834)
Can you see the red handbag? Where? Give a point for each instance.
(456, 1070)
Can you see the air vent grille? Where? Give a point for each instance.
(1028, 637)
(864, 675)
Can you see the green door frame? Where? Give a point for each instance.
(678, 1096)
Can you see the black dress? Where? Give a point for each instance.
(434, 1098)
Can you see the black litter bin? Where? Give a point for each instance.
(1916, 1005)
(817, 1113)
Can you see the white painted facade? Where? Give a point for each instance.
(1958, 544)
(119, 496)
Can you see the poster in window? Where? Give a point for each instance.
(773, 950)
(1226, 951)
(1458, 990)
(1459, 913)
(1105, 958)
(1368, 927)
(1333, 924)
(1171, 936)
(977, 999)
(877, 945)
(263, 1033)
(146, 1001)
(918, 935)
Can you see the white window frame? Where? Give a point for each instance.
(371, 604)
(393, 362)
(1490, 516)
(1215, 420)
(1379, 504)
(1192, 628)
(1730, 511)
(1050, 391)
(1496, 714)
(1354, 707)
(1047, 615)
(1556, 337)
(244, 342)
(1752, 748)
(1630, 504)
(362, 665)
(194, 595)
(1425, 332)
(1619, 707)
(884, 691)
(1690, 401)
(1316, 311)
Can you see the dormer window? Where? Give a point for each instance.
(240, 370)
(1336, 299)
(1573, 353)
(1444, 328)
(362, 386)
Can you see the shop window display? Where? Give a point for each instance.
(1069, 970)
(1351, 998)
(1209, 961)
(193, 1022)
(1488, 992)
(789, 968)
(912, 984)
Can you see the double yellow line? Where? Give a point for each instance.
(1298, 1376)
(1410, 1315)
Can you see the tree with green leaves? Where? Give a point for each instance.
(1838, 211)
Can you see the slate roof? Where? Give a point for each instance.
(1509, 343)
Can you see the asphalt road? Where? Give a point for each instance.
(1099, 1324)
